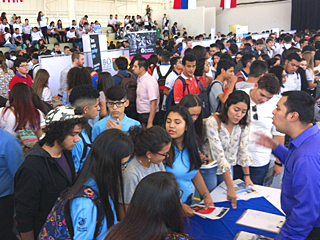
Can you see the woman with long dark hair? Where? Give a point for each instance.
(61, 31)
(184, 160)
(155, 211)
(226, 141)
(105, 81)
(21, 114)
(43, 23)
(201, 71)
(281, 74)
(151, 147)
(5, 76)
(101, 175)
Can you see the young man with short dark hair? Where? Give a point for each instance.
(192, 84)
(262, 103)
(122, 67)
(246, 61)
(147, 93)
(224, 76)
(85, 100)
(117, 101)
(47, 170)
(22, 69)
(294, 116)
(291, 66)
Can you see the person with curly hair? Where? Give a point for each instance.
(47, 170)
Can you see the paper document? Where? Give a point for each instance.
(211, 212)
(262, 220)
(250, 236)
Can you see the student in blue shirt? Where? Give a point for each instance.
(184, 161)
(117, 101)
(11, 158)
(300, 200)
(101, 172)
(85, 99)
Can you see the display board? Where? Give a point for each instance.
(143, 42)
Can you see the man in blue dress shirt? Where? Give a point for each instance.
(300, 196)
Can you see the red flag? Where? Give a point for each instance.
(228, 3)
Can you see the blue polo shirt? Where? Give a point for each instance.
(77, 151)
(84, 214)
(100, 126)
(180, 168)
(11, 158)
(301, 184)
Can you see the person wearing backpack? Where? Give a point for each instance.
(147, 93)
(225, 73)
(90, 207)
(187, 83)
(160, 73)
(129, 82)
(117, 101)
(47, 170)
(85, 100)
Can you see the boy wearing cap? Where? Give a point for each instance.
(48, 170)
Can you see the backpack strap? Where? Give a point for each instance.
(218, 120)
(201, 87)
(85, 148)
(120, 75)
(184, 84)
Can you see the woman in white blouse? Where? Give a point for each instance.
(226, 141)
(43, 24)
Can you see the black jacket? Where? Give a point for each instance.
(37, 185)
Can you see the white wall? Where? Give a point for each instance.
(259, 17)
(196, 21)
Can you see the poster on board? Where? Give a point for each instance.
(95, 52)
(143, 42)
(108, 61)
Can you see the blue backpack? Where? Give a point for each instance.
(59, 225)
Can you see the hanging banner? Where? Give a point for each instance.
(95, 52)
(143, 42)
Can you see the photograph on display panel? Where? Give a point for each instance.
(142, 42)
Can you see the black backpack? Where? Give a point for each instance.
(162, 82)
(85, 148)
(31, 70)
(130, 85)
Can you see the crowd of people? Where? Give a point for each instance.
(130, 147)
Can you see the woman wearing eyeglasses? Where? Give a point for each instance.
(226, 140)
(151, 147)
(155, 211)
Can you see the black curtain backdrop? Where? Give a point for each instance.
(305, 14)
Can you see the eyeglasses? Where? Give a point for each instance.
(124, 165)
(24, 65)
(166, 155)
(118, 104)
(254, 109)
(181, 193)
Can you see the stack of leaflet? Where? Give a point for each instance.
(210, 212)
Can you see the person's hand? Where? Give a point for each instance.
(111, 124)
(232, 197)
(208, 200)
(149, 125)
(248, 181)
(189, 212)
(266, 141)
(277, 170)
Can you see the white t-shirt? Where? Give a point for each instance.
(293, 82)
(43, 21)
(80, 33)
(8, 121)
(18, 25)
(3, 26)
(74, 26)
(52, 28)
(27, 29)
(111, 21)
(126, 21)
(138, 20)
(15, 35)
(146, 20)
(7, 38)
(261, 155)
(46, 95)
(71, 35)
(36, 36)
